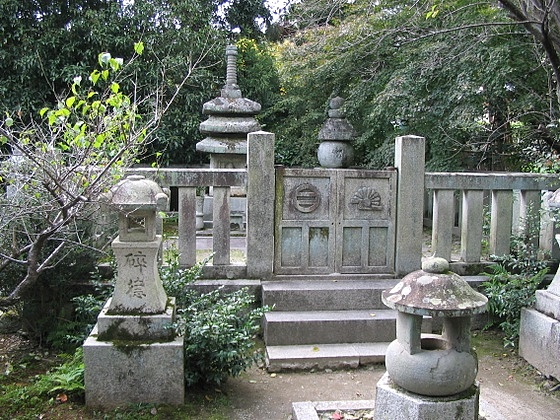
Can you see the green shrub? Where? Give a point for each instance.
(219, 328)
(507, 294)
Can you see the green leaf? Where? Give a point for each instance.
(139, 47)
(115, 87)
(9, 121)
(94, 76)
(43, 111)
(105, 74)
(70, 101)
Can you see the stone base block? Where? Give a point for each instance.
(124, 373)
(133, 327)
(395, 403)
(539, 341)
(548, 303)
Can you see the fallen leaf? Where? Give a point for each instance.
(337, 415)
(153, 411)
(315, 348)
(371, 314)
(61, 398)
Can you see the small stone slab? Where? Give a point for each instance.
(309, 410)
(395, 403)
(323, 356)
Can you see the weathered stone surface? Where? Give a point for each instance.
(548, 303)
(136, 327)
(335, 154)
(410, 162)
(138, 288)
(118, 374)
(335, 151)
(436, 294)
(394, 403)
(539, 341)
(434, 371)
(230, 118)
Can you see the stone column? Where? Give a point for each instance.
(409, 161)
(260, 205)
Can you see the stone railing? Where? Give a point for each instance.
(258, 182)
(459, 200)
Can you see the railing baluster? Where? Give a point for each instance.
(221, 233)
(187, 226)
(501, 222)
(471, 226)
(442, 227)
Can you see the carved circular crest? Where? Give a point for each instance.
(306, 198)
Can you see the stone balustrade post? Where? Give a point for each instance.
(260, 204)
(410, 163)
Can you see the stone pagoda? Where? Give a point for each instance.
(336, 134)
(230, 118)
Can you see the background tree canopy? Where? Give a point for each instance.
(460, 73)
(478, 79)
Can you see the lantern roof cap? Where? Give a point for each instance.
(435, 291)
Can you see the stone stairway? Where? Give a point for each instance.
(332, 323)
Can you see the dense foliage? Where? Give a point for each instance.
(469, 79)
(54, 41)
(219, 328)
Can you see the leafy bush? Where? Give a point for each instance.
(219, 328)
(507, 294)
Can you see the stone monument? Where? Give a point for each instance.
(335, 150)
(132, 354)
(539, 330)
(431, 376)
(230, 118)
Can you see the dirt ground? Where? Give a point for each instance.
(510, 388)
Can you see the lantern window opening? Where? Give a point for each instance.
(135, 224)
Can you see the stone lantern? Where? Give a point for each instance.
(138, 288)
(335, 150)
(132, 355)
(431, 376)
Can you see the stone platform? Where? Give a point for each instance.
(121, 373)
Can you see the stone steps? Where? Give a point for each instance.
(329, 327)
(329, 321)
(323, 356)
(326, 322)
(325, 295)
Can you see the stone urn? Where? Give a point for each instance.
(429, 364)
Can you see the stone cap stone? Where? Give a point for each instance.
(336, 127)
(435, 291)
(135, 192)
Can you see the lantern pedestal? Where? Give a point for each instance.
(396, 403)
(119, 373)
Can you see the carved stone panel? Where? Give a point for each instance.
(334, 221)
